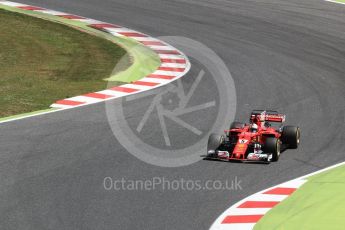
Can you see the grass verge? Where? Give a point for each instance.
(318, 204)
(337, 1)
(340, 1)
(42, 61)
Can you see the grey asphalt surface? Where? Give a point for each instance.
(288, 55)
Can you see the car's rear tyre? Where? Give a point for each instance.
(236, 125)
(291, 136)
(214, 141)
(272, 146)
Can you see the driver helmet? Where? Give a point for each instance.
(254, 128)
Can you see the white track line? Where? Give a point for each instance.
(166, 73)
(170, 56)
(13, 4)
(155, 80)
(236, 227)
(51, 12)
(140, 87)
(144, 39)
(85, 99)
(174, 65)
(88, 20)
(335, 2)
(161, 47)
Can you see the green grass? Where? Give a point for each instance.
(342, 1)
(42, 61)
(145, 60)
(318, 204)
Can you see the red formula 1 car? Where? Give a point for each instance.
(261, 140)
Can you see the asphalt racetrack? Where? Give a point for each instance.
(288, 55)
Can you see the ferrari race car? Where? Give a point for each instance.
(261, 140)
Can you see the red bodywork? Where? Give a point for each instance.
(245, 137)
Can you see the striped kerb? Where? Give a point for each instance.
(280, 191)
(242, 219)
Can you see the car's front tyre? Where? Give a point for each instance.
(272, 146)
(291, 136)
(214, 142)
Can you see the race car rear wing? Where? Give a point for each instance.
(275, 117)
(267, 115)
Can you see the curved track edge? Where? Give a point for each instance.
(244, 214)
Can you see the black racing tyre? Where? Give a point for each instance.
(236, 125)
(272, 145)
(291, 136)
(214, 141)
